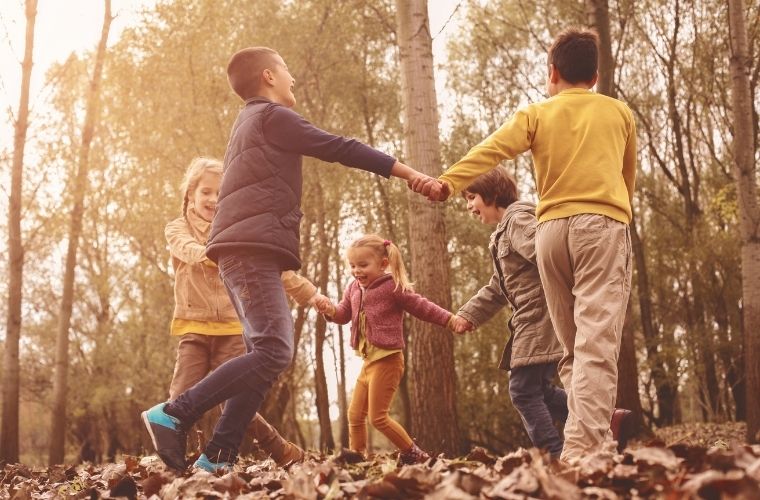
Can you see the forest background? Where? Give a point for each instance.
(115, 127)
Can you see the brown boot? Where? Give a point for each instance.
(282, 451)
(620, 426)
(413, 455)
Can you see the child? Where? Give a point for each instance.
(375, 303)
(584, 153)
(533, 351)
(204, 318)
(254, 237)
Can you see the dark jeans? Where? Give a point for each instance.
(539, 403)
(255, 287)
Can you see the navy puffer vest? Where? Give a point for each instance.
(260, 196)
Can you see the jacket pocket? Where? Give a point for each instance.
(531, 307)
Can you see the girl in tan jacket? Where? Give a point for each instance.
(204, 319)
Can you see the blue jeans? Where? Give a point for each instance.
(539, 403)
(255, 287)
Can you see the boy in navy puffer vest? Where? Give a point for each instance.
(254, 237)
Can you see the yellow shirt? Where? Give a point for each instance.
(183, 326)
(584, 153)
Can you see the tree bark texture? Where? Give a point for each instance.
(745, 174)
(9, 433)
(80, 186)
(599, 19)
(432, 355)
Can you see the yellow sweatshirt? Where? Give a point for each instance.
(584, 153)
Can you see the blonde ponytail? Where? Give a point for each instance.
(386, 248)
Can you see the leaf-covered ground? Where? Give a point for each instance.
(686, 462)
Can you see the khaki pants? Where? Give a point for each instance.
(373, 394)
(585, 265)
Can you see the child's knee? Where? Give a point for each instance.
(357, 417)
(279, 354)
(379, 421)
(523, 398)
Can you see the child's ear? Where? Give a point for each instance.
(267, 76)
(594, 80)
(553, 74)
(384, 263)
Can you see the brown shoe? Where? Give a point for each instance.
(292, 454)
(282, 451)
(619, 425)
(413, 455)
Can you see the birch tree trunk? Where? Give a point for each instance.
(9, 450)
(80, 184)
(432, 352)
(745, 175)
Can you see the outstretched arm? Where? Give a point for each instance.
(422, 308)
(410, 175)
(485, 304)
(342, 312)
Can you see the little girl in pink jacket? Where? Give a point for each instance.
(375, 303)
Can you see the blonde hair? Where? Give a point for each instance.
(386, 248)
(195, 171)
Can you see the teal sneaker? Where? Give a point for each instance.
(169, 439)
(203, 463)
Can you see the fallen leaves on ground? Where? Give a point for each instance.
(681, 471)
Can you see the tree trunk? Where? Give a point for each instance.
(658, 372)
(326, 440)
(432, 351)
(628, 373)
(60, 379)
(342, 395)
(749, 209)
(9, 450)
(599, 19)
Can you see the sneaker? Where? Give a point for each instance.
(413, 455)
(203, 463)
(619, 425)
(169, 439)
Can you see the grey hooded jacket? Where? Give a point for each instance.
(516, 282)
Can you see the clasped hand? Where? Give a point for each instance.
(430, 187)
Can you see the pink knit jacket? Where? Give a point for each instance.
(384, 308)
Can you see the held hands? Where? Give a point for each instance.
(430, 187)
(418, 182)
(460, 325)
(323, 304)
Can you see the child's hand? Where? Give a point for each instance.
(432, 188)
(323, 304)
(460, 325)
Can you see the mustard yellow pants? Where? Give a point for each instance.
(373, 394)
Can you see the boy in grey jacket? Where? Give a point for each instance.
(533, 350)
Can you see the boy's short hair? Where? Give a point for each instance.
(245, 68)
(496, 187)
(575, 54)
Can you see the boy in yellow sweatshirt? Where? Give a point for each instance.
(584, 154)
